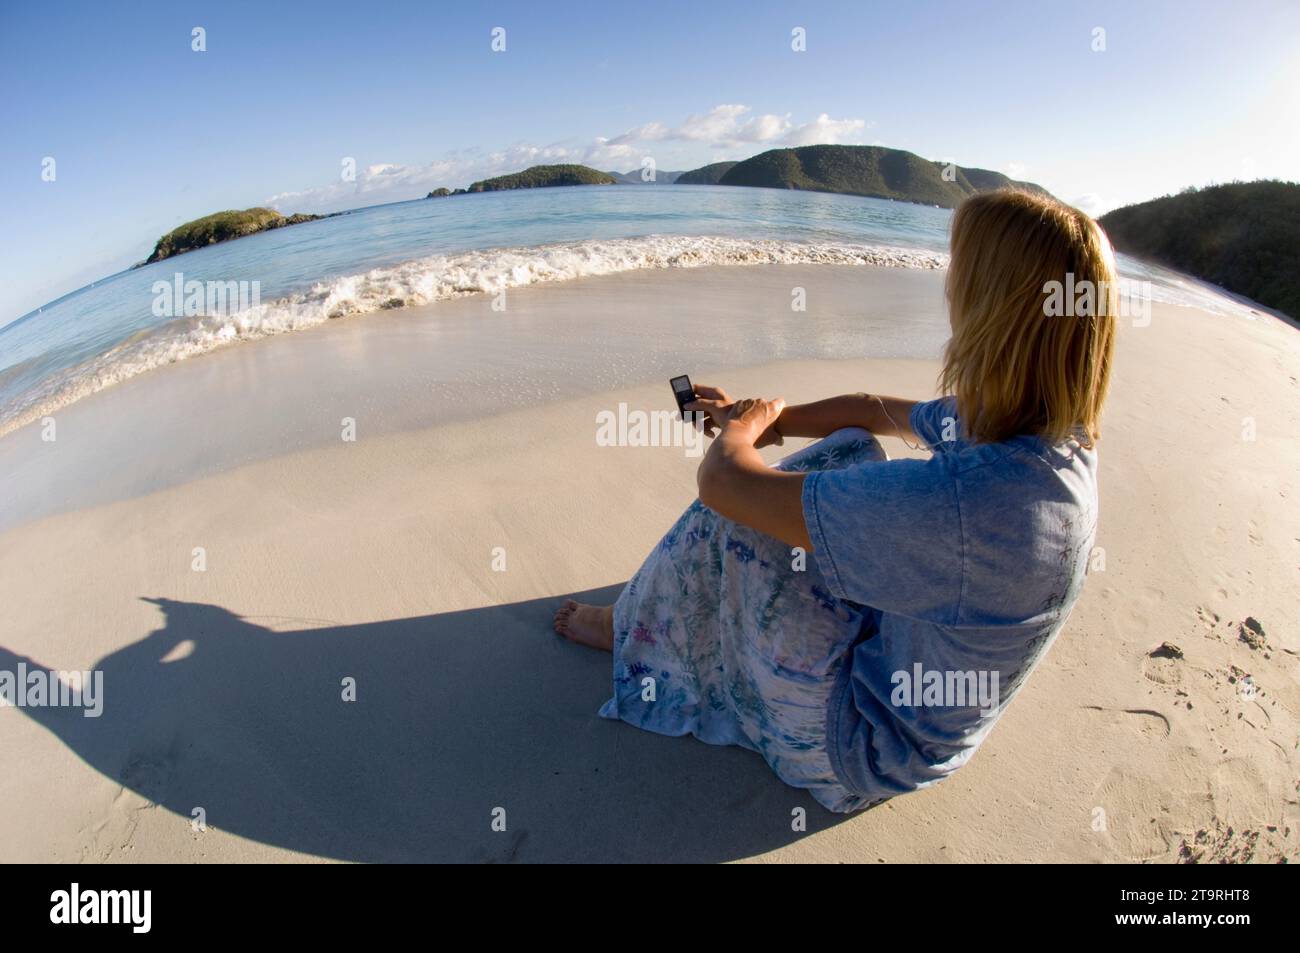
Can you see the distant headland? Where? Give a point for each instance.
(536, 177)
(1244, 237)
(221, 227)
(870, 171)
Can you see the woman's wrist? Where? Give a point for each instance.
(737, 431)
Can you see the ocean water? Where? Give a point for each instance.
(425, 250)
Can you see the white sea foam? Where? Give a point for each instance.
(427, 280)
(1169, 287)
(490, 271)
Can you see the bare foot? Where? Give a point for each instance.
(592, 626)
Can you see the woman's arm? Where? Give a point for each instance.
(883, 416)
(735, 482)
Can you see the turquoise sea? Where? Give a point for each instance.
(420, 251)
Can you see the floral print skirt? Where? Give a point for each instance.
(730, 635)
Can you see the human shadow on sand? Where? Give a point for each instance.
(456, 715)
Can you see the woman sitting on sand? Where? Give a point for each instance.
(862, 622)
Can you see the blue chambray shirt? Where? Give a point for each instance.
(969, 561)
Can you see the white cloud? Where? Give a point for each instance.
(390, 182)
(1090, 202)
(729, 131)
(824, 129)
(605, 151)
(732, 124)
(720, 124)
(763, 129)
(651, 131)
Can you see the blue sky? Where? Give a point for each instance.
(146, 133)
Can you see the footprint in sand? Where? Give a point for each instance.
(1163, 664)
(1138, 824)
(1150, 723)
(111, 835)
(1243, 826)
(1136, 794)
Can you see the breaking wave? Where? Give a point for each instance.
(423, 281)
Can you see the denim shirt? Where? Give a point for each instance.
(970, 562)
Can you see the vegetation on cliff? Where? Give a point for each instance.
(707, 174)
(873, 171)
(221, 227)
(544, 176)
(1244, 237)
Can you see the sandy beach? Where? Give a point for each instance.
(379, 560)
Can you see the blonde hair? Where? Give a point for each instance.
(1017, 365)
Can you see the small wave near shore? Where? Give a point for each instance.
(424, 281)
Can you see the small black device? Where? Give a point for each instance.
(684, 392)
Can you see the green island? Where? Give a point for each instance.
(544, 176)
(706, 174)
(536, 177)
(1243, 237)
(871, 171)
(221, 227)
(634, 177)
(548, 176)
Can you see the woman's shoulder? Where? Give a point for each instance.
(1023, 473)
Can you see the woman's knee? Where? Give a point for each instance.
(849, 434)
(847, 446)
(842, 448)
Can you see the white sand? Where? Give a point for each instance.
(373, 560)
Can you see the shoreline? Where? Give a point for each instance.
(491, 272)
(420, 282)
(414, 368)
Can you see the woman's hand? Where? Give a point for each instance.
(752, 419)
(733, 479)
